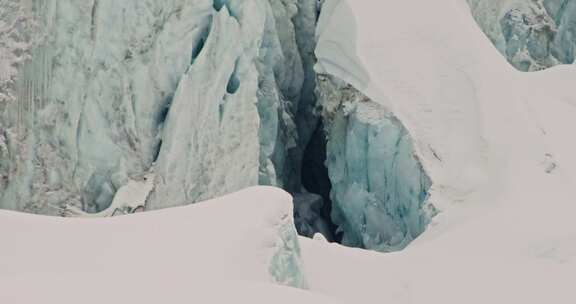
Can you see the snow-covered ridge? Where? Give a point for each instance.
(247, 235)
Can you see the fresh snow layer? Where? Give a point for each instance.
(101, 288)
(495, 142)
(247, 236)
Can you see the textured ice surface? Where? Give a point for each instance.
(379, 188)
(210, 96)
(532, 34)
(205, 93)
(90, 101)
(233, 123)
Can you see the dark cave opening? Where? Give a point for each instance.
(312, 210)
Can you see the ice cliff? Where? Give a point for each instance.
(532, 34)
(379, 188)
(97, 93)
(190, 100)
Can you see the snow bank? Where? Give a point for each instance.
(248, 235)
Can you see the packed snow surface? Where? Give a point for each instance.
(246, 236)
(99, 288)
(495, 141)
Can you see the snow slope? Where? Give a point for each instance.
(105, 289)
(247, 236)
(496, 143)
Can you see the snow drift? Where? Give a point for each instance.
(246, 236)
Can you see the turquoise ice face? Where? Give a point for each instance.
(533, 35)
(107, 90)
(211, 96)
(379, 188)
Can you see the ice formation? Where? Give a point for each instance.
(232, 122)
(205, 93)
(379, 188)
(199, 99)
(532, 34)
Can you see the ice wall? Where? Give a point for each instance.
(532, 34)
(205, 98)
(379, 187)
(89, 103)
(233, 123)
(101, 92)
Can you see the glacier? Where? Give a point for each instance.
(103, 94)
(190, 100)
(533, 35)
(377, 134)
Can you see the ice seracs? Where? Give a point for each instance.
(90, 102)
(533, 35)
(212, 97)
(90, 108)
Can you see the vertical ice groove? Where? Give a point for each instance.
(93, 19)
(197, 157)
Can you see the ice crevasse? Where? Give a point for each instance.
(204, 98)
